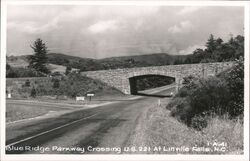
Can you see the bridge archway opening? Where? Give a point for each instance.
(141, 83)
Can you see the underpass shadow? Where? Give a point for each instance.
(153, 95)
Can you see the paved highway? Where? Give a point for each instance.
(101, 130)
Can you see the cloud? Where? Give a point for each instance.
(190, 49)
(114, 30)
(129, 11)
(183, 27)
(76, 13)
(32, 27)
(103, 26)
(188, 10)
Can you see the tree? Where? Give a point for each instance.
(39, 60)
(11, 72)
(218, 42)
(198, 55)
(8, 67)
(211, 43)
(239, 46)
(235, 82)
(68, 70)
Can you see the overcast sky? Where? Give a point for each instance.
(107, 31)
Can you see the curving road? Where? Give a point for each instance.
(100, 130)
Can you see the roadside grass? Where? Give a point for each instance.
(15, 112)
(18, 91)
(35, 107)
(157, 128)
(228, 131)
(19, 112)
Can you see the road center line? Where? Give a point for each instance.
(45, 132)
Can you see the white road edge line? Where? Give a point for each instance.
(45, 132)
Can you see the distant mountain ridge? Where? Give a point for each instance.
(88, 64)
(216, 51)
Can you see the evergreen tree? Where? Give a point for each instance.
(218, 42)
(240, 46)
(211, 44)
(39, 60)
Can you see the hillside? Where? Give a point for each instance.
(54, 87)
(22, 61)
(142, 60)
(87, 64)
(17, 61)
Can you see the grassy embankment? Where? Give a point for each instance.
(157, 127)
(56, 93)
(60, 87)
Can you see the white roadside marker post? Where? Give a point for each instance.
(159, 102)
(90, 95)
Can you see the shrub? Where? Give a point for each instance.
(27, 83)
(180, 109)
(10, 73)
(75, 84)
(235, 79)
(56, 83)
(219, 95)
(190, 83)
(188, 79)
(33, 92)
(199, 122)
(211, 95)
(16, 72)
(183, 92)
(204, 95)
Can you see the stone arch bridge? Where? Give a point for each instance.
(124, 79)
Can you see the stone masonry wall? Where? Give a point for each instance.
(119, 78)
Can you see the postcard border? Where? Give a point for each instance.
(135, 157)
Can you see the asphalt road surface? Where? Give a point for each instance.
(100, 130)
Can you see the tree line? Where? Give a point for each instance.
(217, 51)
